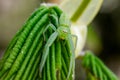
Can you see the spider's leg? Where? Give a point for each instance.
(76, 39)
(50, 41)
(49, 25)
(72, 57)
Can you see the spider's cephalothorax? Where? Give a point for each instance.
(63, 32)
(63, 29)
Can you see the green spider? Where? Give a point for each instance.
(62, 32)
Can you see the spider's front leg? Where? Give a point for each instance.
(50, 25)
(50, 41)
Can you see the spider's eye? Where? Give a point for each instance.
(65, 31)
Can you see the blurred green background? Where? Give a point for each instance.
(103, 37)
